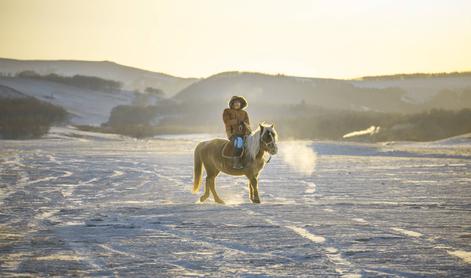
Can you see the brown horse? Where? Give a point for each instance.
(209, 153)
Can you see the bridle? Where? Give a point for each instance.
(268, 145)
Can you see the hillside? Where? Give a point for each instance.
(132, 78)
(271, 97)
(85, 106)
(265, 90)
(404, 95)
(7, 92)
(327, 108)
(419, 89)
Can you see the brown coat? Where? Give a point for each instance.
(236, 120)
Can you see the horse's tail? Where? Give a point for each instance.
(198, 170)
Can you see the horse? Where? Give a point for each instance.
(210, 155)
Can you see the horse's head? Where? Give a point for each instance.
(268, 138)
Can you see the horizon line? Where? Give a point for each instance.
(242, 71)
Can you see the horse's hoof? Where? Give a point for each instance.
(221, 202)
(256, 201)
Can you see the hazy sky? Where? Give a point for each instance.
(202, 37)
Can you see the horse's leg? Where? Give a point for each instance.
(206, 190)
(254, 185)
(212, 187)
(250, 191)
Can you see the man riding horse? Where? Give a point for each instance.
(211, 156)
(237, 125)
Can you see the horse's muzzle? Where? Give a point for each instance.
(273, 150)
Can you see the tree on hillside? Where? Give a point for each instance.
(154, 91)
(132, 120)
(80, 81)
(24, 118)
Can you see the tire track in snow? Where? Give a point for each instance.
(75, 253)
(25, 180)
(342, 266)
(42, 180)
(14, 165)
(461, 254)
(53, 159)
(464, 255)
(67, 174)
(407, 232)
(217, 246)
(117, 173)
(310, 188)
(211, 242)
(206, 242)
(304, 233)
(114, 251)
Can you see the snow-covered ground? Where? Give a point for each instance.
(86, 204)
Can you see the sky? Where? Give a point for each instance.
(199, 38)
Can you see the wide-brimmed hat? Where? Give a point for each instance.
(241, 99)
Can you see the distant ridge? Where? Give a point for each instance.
(85, 61)
(416, 75)
(132, 78)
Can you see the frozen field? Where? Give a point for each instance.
(104, 206)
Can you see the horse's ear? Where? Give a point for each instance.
(272, 126)
(261, 128)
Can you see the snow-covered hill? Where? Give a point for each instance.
(132, 78)
(387, 95)
(418, 90)
(86, 106)
(7, 92)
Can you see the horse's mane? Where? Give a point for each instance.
(253, 143)
(253, 140)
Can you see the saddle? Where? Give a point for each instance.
(228, 150)
(230, 160)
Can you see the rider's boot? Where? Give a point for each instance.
(237, 163)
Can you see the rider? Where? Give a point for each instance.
(237, 125)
